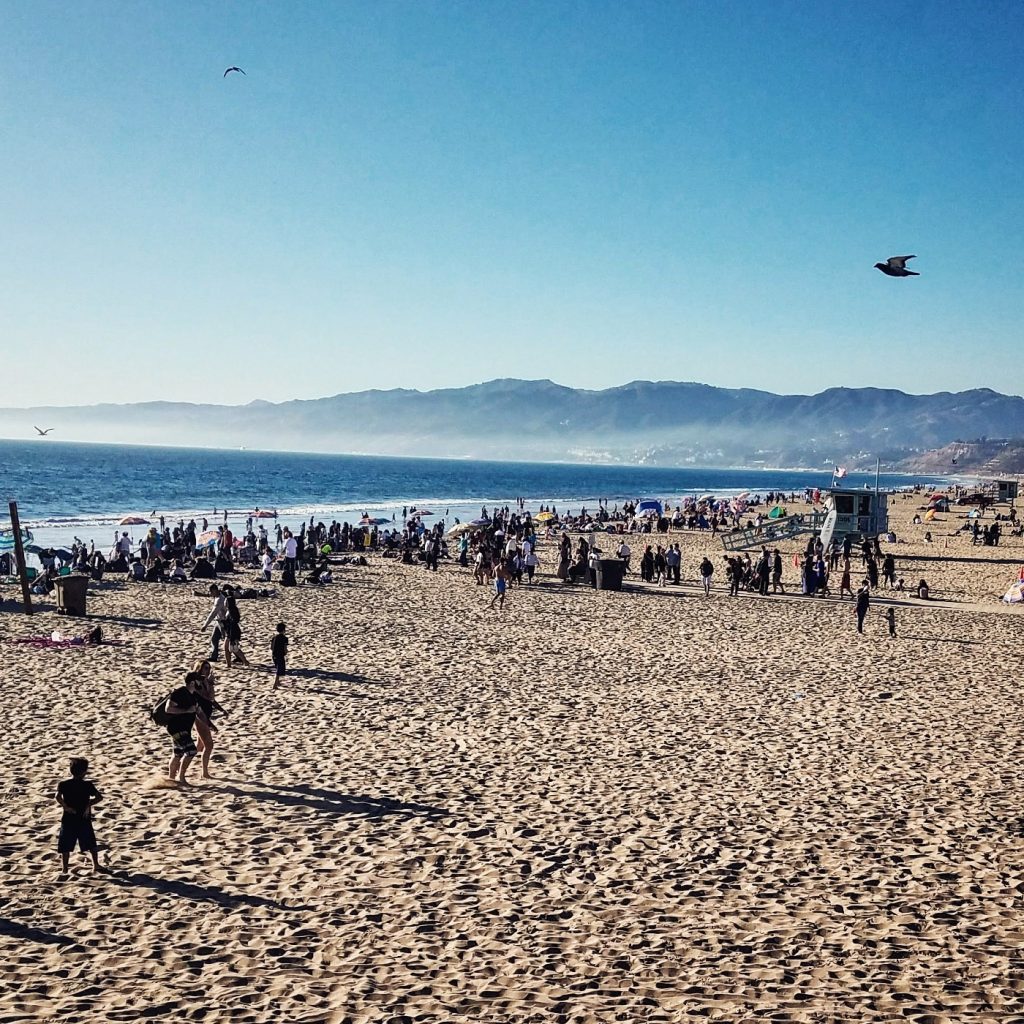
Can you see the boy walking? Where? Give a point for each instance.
(501, 575)
(279, 652)
(77, 797)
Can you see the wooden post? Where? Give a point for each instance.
(19, 557)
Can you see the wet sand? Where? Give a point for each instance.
(646, 806)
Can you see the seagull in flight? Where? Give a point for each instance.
(42, 433)
(896, 266)
(239, 70)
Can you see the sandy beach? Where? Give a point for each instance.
(637, 806)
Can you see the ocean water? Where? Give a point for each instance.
(69, 490)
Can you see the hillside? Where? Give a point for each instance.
(663, 422)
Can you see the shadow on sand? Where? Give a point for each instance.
(342, 804)
(191, 890)
(26, 933)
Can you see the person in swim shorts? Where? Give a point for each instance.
(501, 575)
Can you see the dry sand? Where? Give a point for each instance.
(646, 806)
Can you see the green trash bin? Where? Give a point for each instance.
(71, 591)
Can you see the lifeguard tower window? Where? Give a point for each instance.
(865, 505)
(844, 504)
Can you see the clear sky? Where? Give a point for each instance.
(434, 194)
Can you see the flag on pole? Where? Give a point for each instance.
(838, 472)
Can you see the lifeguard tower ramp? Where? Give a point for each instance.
(772, 531)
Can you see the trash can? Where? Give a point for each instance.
(71, 592)
(610, 572)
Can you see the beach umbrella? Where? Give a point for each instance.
(544, 517)
(742, 495)
(209, 537)
(460, 528)
(133, 521)
(420, 512)
(263, 514)
(370, 521)
(480, 522)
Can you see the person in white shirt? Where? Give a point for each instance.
(291, 550)
(268, 565)
(624, 553)
(124, 545)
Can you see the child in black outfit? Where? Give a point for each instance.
(78, 798)
(279, 651)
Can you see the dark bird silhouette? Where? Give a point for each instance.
(239, 70)
(42, 433)
(896, 266)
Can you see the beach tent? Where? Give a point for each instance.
(940, 503)
(1015, 595)
(776, 513)
(649, 507)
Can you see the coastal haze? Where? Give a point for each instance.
(663, 423)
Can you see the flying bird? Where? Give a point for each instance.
(896, 266)
(42, 433)
(239, 70)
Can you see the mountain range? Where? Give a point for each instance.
(643, 422)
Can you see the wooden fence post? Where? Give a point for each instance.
(19, 557)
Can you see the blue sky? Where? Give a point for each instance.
(429, 195)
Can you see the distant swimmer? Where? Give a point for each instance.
(896, 266)
(42, 433)
(239, 70)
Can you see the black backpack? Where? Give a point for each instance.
(158, 715)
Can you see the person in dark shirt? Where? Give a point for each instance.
(279, 652)
(77, 797)
(182, 708)
(863, 602)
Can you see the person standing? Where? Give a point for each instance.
(182, 709)
(624, 552)
(707, 570)
(233, 630)
(763, 572)
(863, 603)
(673, 557)
(845, 586)
(500, 585)
(777, 584)
(217, 618)
(279, 653)
(77, 798)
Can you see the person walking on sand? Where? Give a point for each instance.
(217, 618)
(707, 570)
(205, 728)
(182, 710)
(777, 584)
(863, 602)
(500, 585)
(845, 586)
(77, 797)
(890, 619)
(233, 631)
(279, 653)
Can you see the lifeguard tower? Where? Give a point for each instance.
(858, 514)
